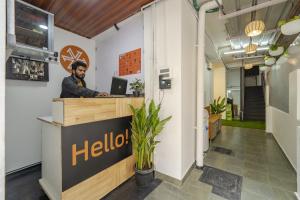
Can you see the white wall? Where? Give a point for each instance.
(167, 52)
(219, 82)
(284, 125)
(219, 85)
(112, 43)
(2, 96)
(165, 45)
(188, 70)
(26, 100)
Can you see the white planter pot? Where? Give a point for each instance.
(282, 60)
(291, 28)
(270, 61)
(264, 68)
(277, 52)
(292, 50)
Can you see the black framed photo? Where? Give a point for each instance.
(26, 69)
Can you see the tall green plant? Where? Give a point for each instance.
(218, 106)
(145, 126)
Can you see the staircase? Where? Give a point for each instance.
(254, 103)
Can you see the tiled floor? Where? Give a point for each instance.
(266, 172)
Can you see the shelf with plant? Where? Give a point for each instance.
(291, 26)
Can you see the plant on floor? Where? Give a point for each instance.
(146, 125)
(218, 106)
(137, 86)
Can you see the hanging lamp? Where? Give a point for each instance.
(248, 66)
(255, 28)
(251, 48)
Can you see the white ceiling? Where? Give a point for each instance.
(227, 35)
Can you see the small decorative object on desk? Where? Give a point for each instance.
(137, 86)
(145, 126)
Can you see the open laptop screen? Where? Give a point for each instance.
(118, 86)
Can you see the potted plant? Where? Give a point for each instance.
(137, 86)
(218, 106)
(275, 50)
(290, 27)
(264, 68)
(145, 126)
(269, 60)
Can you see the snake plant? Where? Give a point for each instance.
(145, 126)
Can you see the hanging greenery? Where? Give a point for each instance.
(196, 5)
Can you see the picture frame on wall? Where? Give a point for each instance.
(26, 69)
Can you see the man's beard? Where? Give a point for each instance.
(81, 78)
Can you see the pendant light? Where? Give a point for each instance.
(248, 66)
(251, 48)
(255, 28)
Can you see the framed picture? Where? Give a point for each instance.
(130, 62)
(25, 69)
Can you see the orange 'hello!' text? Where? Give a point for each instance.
(99, 147)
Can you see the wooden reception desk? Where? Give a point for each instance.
(86, 147)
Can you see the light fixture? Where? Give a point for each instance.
(255, 28)
(43, 27)
(248, 66)
(262, 48)
(234, 51)
(251, 48)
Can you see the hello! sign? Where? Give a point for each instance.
(87, 149)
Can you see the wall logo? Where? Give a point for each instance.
(70, 54)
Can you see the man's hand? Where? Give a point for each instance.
(102, 94)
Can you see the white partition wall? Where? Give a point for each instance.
(2, 95)
(170, 28)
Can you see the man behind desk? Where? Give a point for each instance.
(74, 86)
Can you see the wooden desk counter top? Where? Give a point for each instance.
(72, 111)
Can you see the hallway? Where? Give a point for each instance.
(256, 157)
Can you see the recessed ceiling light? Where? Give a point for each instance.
(234, 52)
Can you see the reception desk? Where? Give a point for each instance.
(86, 147)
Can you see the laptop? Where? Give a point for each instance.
(118, 88)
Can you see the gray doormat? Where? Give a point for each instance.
(223, 150)
(224, 184)
(130, 191)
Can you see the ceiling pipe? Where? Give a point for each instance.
(200, 79)
(251, 9)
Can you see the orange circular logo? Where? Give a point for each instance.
(69, 54)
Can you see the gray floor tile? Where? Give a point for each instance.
(267, 174)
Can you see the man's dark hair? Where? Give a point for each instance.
(77, 64)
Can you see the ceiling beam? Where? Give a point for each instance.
(250, 9)
(286, 40)
(243, 35)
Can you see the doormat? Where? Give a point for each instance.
(223, 150)
(224, 184)
(130, 191)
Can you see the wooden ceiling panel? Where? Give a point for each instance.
(89, 18)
